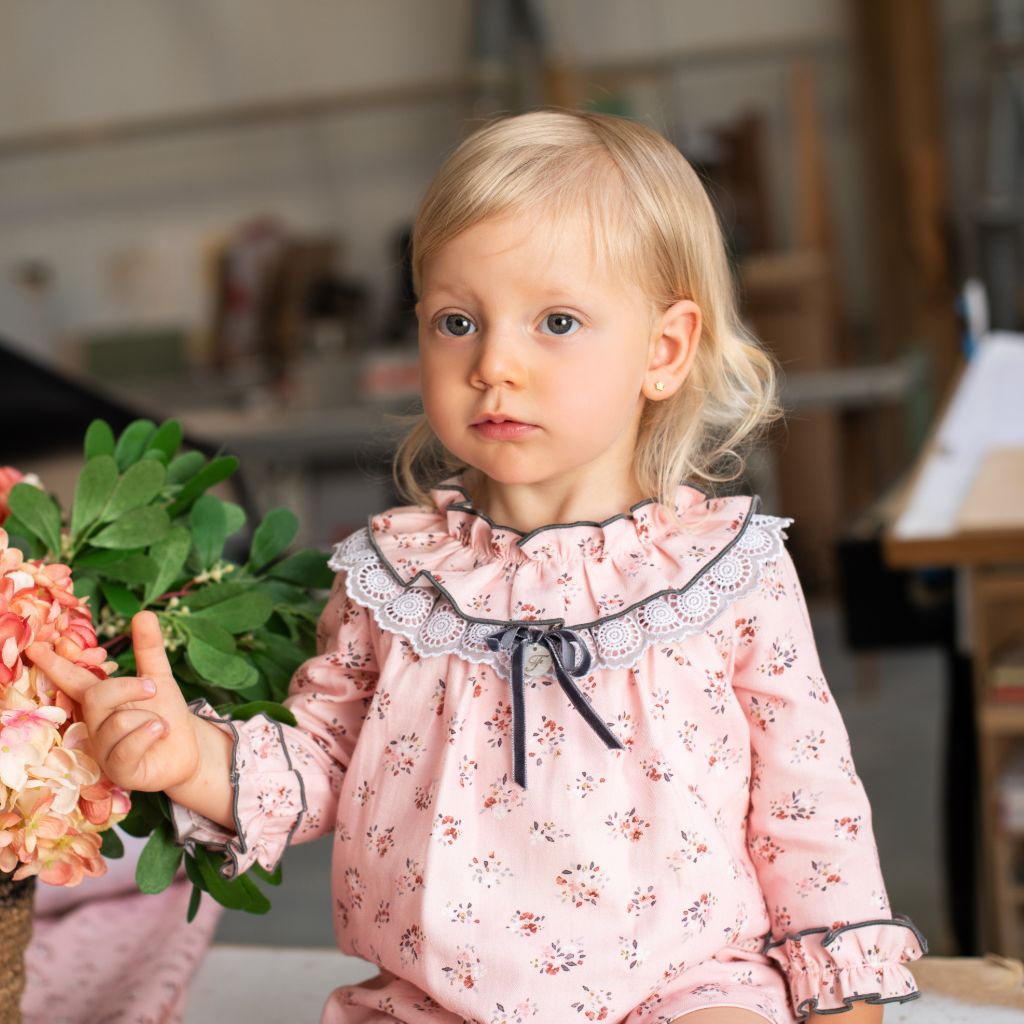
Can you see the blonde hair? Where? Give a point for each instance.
(650, 219)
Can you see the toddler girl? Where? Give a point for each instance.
(567, 723)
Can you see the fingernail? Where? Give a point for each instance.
(149, 686)
(156, 726)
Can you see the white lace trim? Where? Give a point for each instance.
(434, 626)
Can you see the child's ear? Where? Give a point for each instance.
(673, 347)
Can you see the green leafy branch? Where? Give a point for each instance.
(145, 533)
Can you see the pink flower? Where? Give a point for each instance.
(54, 801)
(9, 476)
(104, 804)
(63, 773)
(15, 636)
(65, 859)
(37, 823)
(37, 726)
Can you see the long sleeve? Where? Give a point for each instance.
(809, 828)
(286, 779)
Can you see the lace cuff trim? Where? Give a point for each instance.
(434, 624)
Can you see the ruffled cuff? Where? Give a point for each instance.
(828, 969)
(269, 801)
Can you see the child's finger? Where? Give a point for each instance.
(148, 642)
(74, 680)
(108, 733)
(100, 701)
(125, 755)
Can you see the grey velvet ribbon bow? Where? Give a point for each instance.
(562, 646)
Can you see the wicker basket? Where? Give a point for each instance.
(16, 899)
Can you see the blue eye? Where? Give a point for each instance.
(459, 332)
(562, 317)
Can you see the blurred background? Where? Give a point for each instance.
(205, 211)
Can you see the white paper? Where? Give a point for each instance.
(986, 412)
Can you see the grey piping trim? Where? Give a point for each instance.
(298, 775)
(805, 1008)
(468, 506)
(898, 919)
(755, 503)
(808, 1005)
(195, 706)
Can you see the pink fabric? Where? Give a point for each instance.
(125, 958)
(723, 855)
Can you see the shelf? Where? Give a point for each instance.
(1001, 719)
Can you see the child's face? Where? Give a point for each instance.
(516, 323)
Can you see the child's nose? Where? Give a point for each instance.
(499, 357)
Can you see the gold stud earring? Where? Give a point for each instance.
(659, 385)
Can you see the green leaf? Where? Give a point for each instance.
(21, 537)
(259, 690)
(272, 536)
(195, 876)
(159, 860)
(278, 712)
(169, 554)
(98, 559)
(37, 513)
(235, 515)
(307, 568)
(138, 487)
(214, 593)
(239, 614)
(184, 467)
(226, 670)
(212, 473)
(125, 662)
(95, 485)
(135, 569)
(163, 801)
(233, 894)
(270, 878)
(258, 902)
(134, 440)
(111, 845)
(143, 817)
(120, 598)
(277, 678)
(281, 650)
(167, 439)
(99, 439)
(209, 528)
(135, 529)
(193, 904)
(87, 588)
(209, 632)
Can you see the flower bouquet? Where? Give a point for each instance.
(143, 533)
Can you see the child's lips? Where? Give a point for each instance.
(507, 430)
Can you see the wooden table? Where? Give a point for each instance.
(938, 519)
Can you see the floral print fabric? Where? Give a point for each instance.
(723, 855)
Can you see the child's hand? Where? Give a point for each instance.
(120, 714)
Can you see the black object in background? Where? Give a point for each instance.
(884, 607)
(401, 326)
(46, 413)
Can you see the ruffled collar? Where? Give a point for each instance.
(577, 574)
(627, 533)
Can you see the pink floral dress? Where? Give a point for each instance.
(589, 772)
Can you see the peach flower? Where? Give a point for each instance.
(54, 800)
